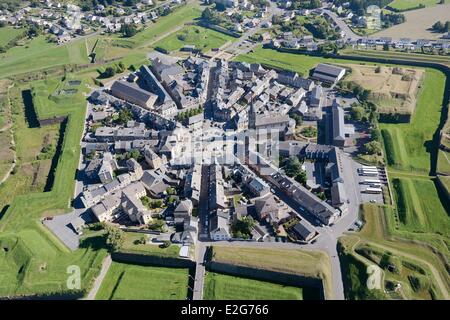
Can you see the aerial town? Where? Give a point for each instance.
(276, 145)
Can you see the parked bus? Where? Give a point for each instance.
(369, 167)
(375, 185)
(370, 181)
(373, 190)
(369, 174)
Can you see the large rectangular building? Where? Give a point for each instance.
(133, 94)
(328, 74)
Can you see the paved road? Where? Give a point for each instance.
(342, 25)
(200, 250)
(98, 281)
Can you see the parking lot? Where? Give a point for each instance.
(371, 182)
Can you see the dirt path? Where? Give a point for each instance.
(98, 281)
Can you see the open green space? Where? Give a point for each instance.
(314, 264)
(409, 4)
(204, 39)
(132, 244)
(9, 33)
(224, 287)
(411, 146)
(39, 53)
(31, 254)
(162, 26)
(129, 281)
(418, 206)
(381, 233)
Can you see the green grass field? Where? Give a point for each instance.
(40, 259)
(163, 25)
(131, 245)
(419, 207)
(127, 281)
(225, 287)
(40, 54)
(382, 234)
(408, 4)
(8, 33)
(308, 263)
(409, 146)
(204, 39)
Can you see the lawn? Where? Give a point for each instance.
(382, 231)
(162, 26)
(418, 206)
(409, 4)
(40, 54)
(204, 39)
(131, 245)
(313, 264)
(40, 260)
(410, 146)
(295, 62)
(9, 33)
(225, 287)
(136, 282)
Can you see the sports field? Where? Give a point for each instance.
(135, 282)
(224, 287)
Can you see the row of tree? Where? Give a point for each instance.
(441, 26)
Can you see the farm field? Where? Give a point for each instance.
(224, 287)
(408, 4)
(393, 89)
(315, 264)
(204, 39)
(417, 23)
(128, 281)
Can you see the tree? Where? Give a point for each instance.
(165, 244)
(375, 134)
(207, 14)
(158, 225)
(128, 30)
(373, 147)
(125, 115)
(357, 113)
(109, 72)
(114, 238)
(438, 26)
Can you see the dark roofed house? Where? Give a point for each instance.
(337, 114)
(328, 74)
(304, 231)
(133, 94)
(266, 206)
